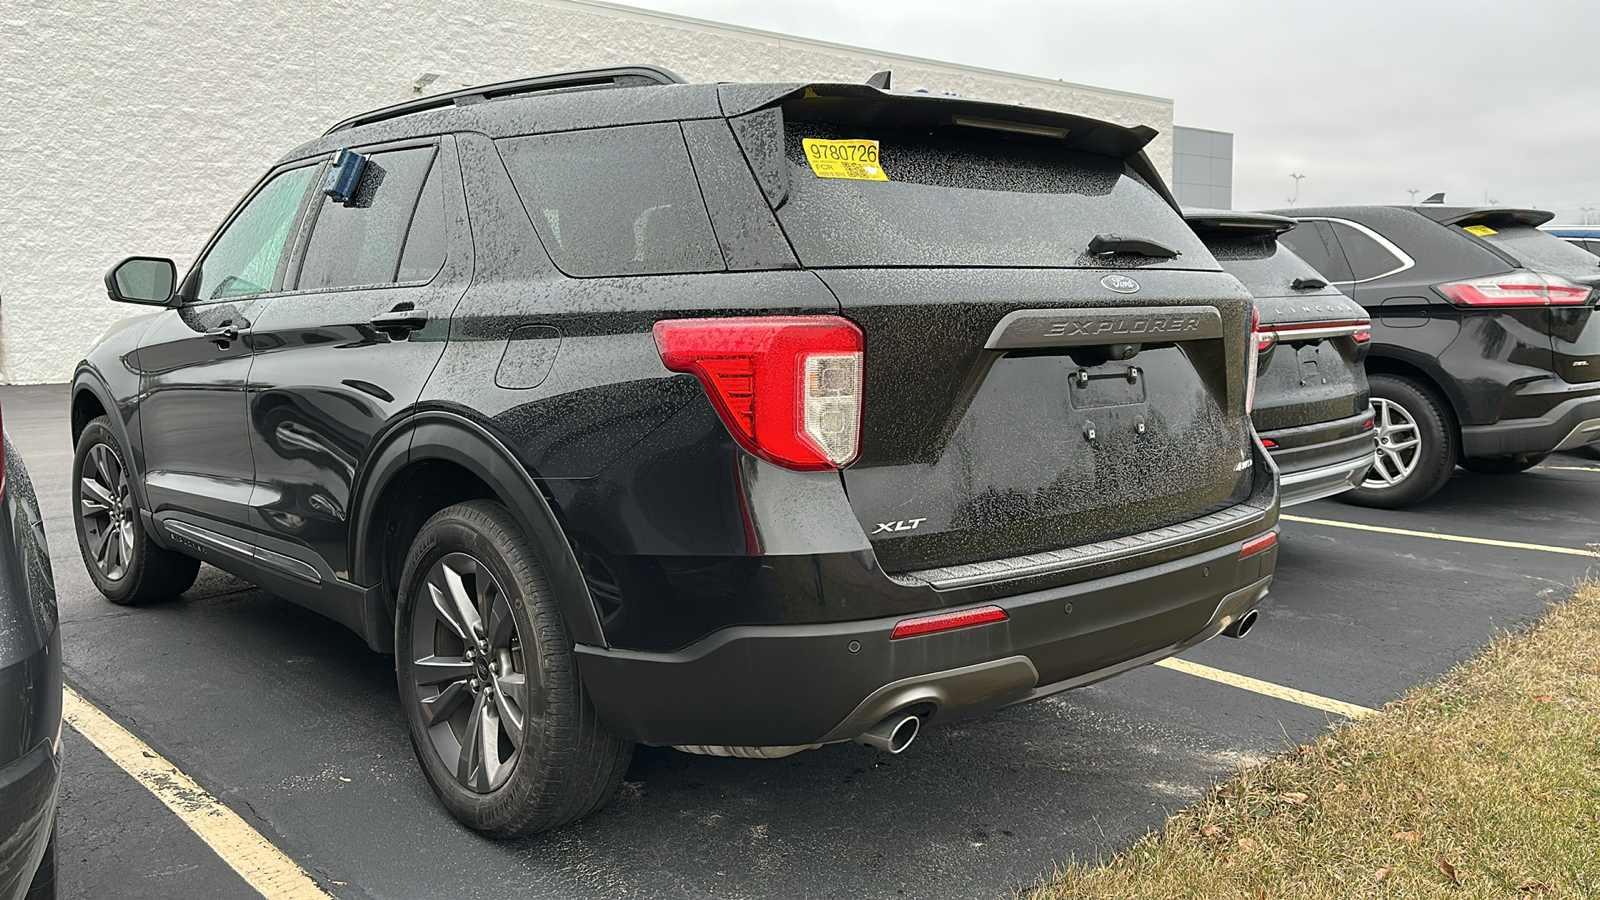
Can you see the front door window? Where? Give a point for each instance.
(245, 258)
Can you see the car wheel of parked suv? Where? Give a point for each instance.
(499, 719)
(1503, 465)
(1416, 445)
(123, 563)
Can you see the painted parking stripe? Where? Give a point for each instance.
(1326, 704)
(1570, 468)
(263, 866)
(1514, 545)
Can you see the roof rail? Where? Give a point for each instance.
(619, 76)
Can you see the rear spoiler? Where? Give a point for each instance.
(907, 109)
(1227, 223)
(1486, 215)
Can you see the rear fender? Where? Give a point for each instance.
(450, 437)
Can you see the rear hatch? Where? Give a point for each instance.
(1574, 334)
(1313, 338)
(1051, 357)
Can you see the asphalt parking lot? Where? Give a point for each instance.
(293, 723)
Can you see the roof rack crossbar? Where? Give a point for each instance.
(618, 76)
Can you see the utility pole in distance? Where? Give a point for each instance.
(1296, 198)
(1413, 192)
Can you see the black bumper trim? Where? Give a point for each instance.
(1559, 429)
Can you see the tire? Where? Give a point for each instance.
(1503, 465)
(122, 561)
(43, 885)
(1417, 445)
(551, 771)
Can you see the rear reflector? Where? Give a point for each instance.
(1516, 289)
(788, 387)
(1268, 444)
(949, 621)
(1257, 544)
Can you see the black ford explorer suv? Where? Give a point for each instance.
(1311, 405)
(1484, 349)
(742, 418)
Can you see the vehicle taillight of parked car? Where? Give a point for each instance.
(787, 387)
(1516, 289)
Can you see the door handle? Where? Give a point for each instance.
(222, 335)
(400, 322)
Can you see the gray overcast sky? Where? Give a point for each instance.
(1366, 98)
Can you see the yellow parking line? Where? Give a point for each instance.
(1571, 468)
(1326, 704)
(1514, 545)
(257, 861)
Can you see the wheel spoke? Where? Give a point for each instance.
(1397, 446)
(489, 743)
(439, 669)
(501, 625)
(102, 542)
(463, 602)
(446, 610)
(437, 709)
(471, 760)
(510, 708)
(94, 497)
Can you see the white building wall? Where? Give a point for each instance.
(133, 127)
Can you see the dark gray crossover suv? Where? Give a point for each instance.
(742, 418)
(1485, 348)
(30, 692)
(1311, 404)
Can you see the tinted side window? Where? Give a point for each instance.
(360, 243)
(1312, 242)
(1367, 257)
(244, 260)
(615, 201)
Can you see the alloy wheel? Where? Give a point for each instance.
(105, 506)
(1399, 446)
(469, 671)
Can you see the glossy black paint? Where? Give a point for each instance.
(319, 442)
(30, 684)
(1517, 380)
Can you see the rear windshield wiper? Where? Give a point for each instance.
(1307, 284)
(1109, 244)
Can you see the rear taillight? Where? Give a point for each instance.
(1516, 289)
(1254, 353)
(949, 621)
(787, 387)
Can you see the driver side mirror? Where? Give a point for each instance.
(143, 279)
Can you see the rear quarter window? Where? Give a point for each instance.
(1314, 244)
(614, 201)
(955, 198)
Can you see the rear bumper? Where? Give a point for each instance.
(793, 685)
(1321, 460)
(1572, 421)
(28, 793)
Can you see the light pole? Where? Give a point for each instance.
(1413, 192)
(1296, 198)
(1586, 211)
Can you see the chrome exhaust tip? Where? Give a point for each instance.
(1241, 626)
(892, 735)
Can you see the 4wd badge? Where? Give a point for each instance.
(1122, 284)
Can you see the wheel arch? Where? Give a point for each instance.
(1424, 370)
(92, 399)
(434, 460)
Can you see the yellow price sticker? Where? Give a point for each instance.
(857, 159)
(1480, 230)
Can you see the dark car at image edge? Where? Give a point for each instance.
(1485, 350)
(742, 418)
(1311, 406)
(30, 692)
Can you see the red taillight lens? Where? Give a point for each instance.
(787, 387)
(947, 621)
(1254, 353)
(1257, 544)
(1516, 289)
(1268, 443)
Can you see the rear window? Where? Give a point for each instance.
(1266, 267)
(1540, 250)
(954, 198)
(615, 201)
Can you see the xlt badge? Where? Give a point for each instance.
(902, 525)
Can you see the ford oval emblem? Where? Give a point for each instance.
(1122, 284)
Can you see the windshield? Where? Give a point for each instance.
(1266, 267)
(1541, 251)
(956, 198)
